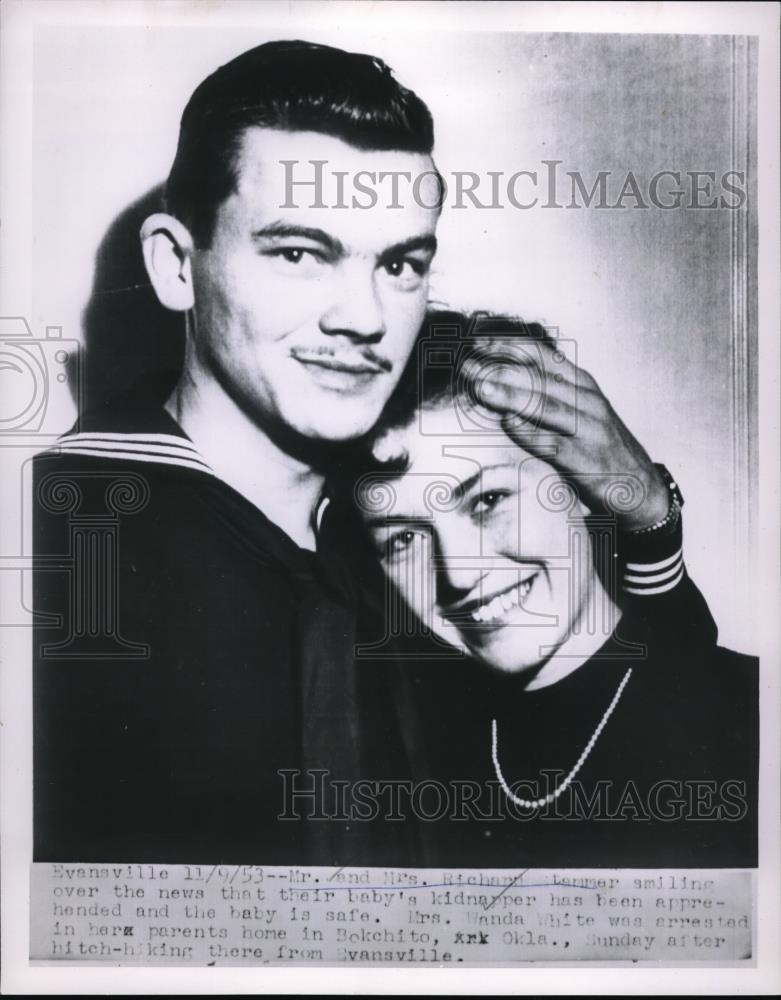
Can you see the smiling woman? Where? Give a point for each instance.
(508, 586)
(485, 541)
(548, 669)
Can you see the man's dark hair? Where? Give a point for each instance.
(294, 86)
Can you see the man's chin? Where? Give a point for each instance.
(332, 435)
(332, 427)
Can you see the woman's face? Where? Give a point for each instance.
(485, 543)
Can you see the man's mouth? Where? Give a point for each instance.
(495, 609)
(339, 369)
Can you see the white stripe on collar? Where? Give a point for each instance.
(168, 449)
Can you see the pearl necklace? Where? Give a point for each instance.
(552, 796)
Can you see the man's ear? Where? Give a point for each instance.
(168, 247)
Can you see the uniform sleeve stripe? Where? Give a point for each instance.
(651, 581)
(661, 589)
(653, 577)
(639, 567)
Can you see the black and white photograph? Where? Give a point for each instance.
(390, 433)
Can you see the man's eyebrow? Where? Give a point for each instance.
(281, 230)
(427, 242)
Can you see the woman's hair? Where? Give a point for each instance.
(445, 367)
(294, 86)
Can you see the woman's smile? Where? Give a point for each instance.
(496, 610)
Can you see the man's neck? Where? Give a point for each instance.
(242, 455)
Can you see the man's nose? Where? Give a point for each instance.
(358, 311)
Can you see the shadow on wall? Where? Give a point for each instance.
(128, 335)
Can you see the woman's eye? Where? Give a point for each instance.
(400, 542)
(488, 501)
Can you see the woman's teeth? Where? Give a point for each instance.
(499, 605)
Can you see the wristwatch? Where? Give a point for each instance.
(670, 520)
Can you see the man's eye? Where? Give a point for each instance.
(488, 501)
(293, 255)
(405, 267)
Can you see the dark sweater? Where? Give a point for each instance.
(187, 651)
(671, 780)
